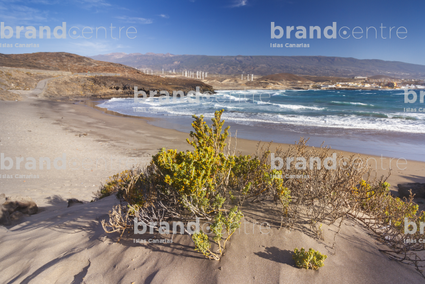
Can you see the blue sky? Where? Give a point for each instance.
(217, 27)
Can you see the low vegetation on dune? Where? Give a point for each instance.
(308, 259)
(211, 183)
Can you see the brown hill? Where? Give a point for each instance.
(64, 62)
(106, 87)
(94, 86)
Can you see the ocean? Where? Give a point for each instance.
(377, 122)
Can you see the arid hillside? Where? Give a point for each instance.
(64, 62)
(117, 86)
(78, 76)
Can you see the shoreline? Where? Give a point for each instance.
(364, 141)
(118, 136)
(248, 146)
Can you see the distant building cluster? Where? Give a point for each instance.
(375, 83)
(247, 77)
(185, 73)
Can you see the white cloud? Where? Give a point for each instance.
(135, 20)
(93, 3)
(89, 47)
(240, 3)
(45, 2)
(15, 15)
(164, 16)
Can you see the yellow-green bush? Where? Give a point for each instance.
(229, 223)
(199, 177)
(378, 202)
(115, 184)
(252, 177)
(308, 259)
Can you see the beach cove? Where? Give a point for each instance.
(69, 243)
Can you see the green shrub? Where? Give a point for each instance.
(203, 179)
(229, 223)
(182, 186)
(253, 178)
(308, 259)
(199, 177)
(378, 203)
(115, 184)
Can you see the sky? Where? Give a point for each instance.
(217, 27)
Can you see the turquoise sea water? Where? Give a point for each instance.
(380, 119)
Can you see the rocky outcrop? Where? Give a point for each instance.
(4, 214)
(74, 201)
(12, 209)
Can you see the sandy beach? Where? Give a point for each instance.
(68, 245)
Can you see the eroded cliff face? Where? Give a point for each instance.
(115, 86)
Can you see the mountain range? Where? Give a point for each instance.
(267, 65)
